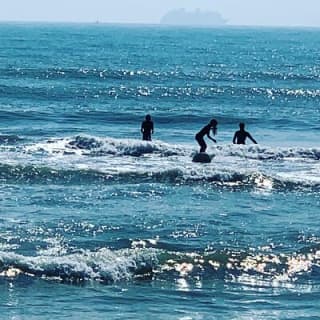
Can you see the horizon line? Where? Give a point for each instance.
(98, 22)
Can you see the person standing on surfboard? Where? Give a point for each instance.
(147, 128)
(241, 135)
(206, 131)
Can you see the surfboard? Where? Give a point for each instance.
(202, 157)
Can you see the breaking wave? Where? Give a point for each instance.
(224, 178)
(107, 266)
(89, 159)
(103, 265)
(96, 146)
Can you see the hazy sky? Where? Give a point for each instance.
(237, 12)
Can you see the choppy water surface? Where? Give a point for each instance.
(96, 223)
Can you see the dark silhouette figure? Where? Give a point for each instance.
(241, 135)
(147, 128)
(206, 131)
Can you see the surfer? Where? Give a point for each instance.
(147, 128)
(206, 131)
(241, 135)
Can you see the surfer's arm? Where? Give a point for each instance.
(234, 138)
(249, 136)
(214, 140)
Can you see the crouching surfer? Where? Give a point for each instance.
(205, 131)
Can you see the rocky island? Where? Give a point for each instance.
(181, 17)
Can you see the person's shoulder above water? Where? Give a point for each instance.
(241, 135)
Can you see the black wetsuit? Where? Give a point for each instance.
(199, 137)
(147, 129)
(240, 137)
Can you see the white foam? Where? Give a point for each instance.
(101, 265)
(257, 165)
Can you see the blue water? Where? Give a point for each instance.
(97, 224)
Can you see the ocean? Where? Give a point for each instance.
(97, 224)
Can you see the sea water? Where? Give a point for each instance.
(97, 224)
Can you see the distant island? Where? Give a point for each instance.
(181, 17)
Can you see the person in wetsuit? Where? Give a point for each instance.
(206, 131)
(147, 128)
(241, 135)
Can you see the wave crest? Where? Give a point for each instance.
(95, 146)
(107, 266)
(103, 265)
(89, 159)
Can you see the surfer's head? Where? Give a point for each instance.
(148, 117)
(213, 124)
(241, 125)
